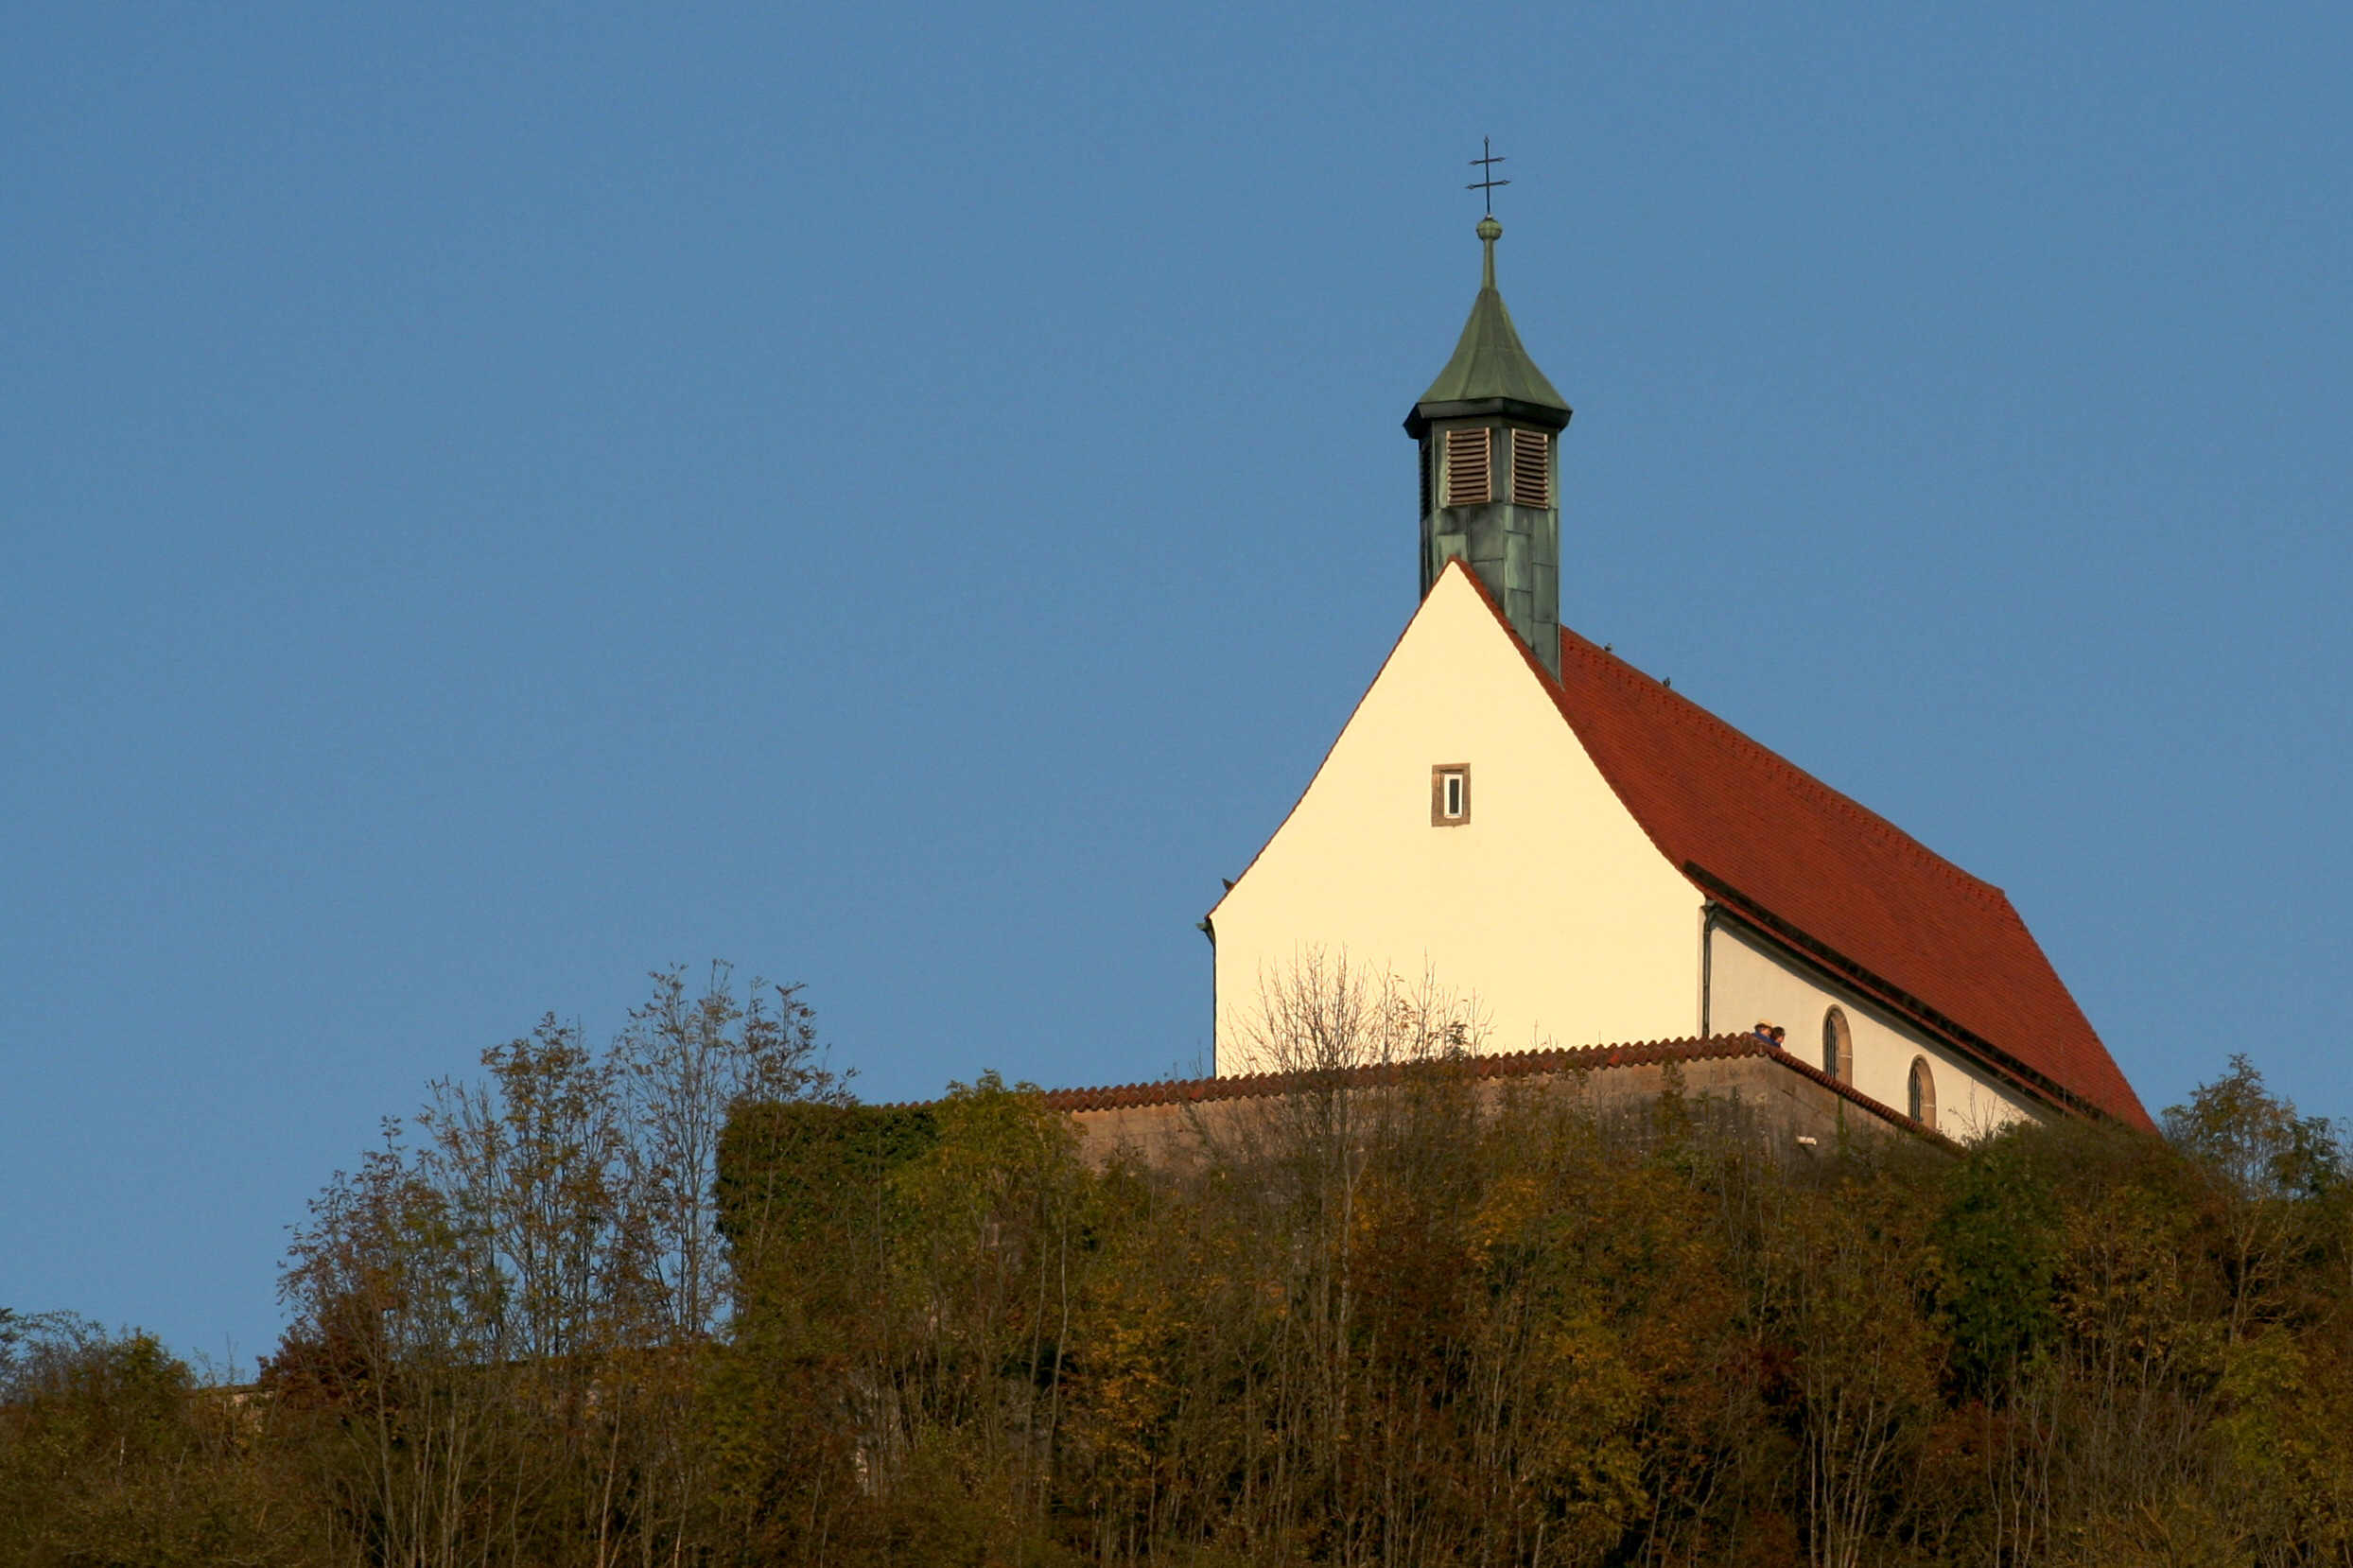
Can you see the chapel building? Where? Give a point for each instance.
(1601, 861)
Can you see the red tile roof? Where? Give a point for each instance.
(1807, 869)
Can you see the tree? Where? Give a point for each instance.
(684, 1063)
(2273, 1177)
(113, 1451)
(507, 1325)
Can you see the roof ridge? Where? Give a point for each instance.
(1685, 709)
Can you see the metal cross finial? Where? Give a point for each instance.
(1486, 186)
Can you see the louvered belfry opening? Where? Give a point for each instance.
(1469, 471)
(1532, 469)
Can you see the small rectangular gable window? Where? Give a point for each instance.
(1531, 468)
(1450, 794)
(1469, 468)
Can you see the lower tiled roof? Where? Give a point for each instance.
(1511, 1063)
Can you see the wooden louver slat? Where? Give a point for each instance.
(1531, 470)
(1469, 475)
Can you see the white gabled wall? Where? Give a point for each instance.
(1551, 904)
(1749, 981)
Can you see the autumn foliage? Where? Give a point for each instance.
(1408, 1324)
(1416, 1326)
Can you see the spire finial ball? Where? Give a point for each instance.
(1490, 230)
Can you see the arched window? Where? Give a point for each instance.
(1837, 1046)
(1923, 1094)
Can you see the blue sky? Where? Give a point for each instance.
(497, 500)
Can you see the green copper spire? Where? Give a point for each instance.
(1490, 432)
(1491, 371)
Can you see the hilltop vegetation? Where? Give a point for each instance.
(1403, 1326)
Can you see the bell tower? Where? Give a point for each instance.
(1489, 432)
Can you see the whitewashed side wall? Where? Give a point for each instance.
(1749, 979)
(1550, 903)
